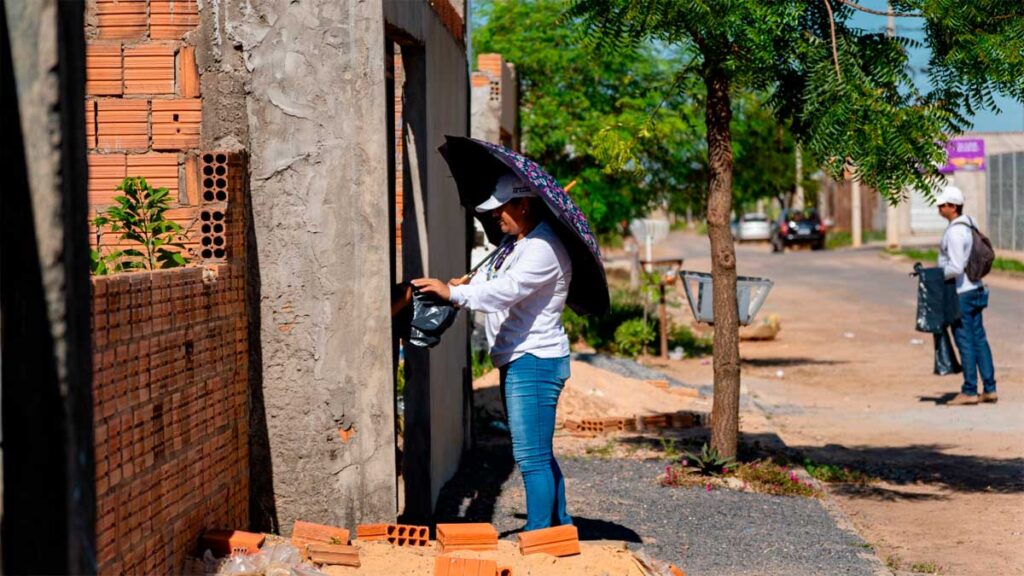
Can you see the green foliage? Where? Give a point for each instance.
(1008, 265)
(930, 255)
(482, 364)
(578, 105)
(836, 474)
(693, 345)
(575, 325)
(707, 462)
(400, 379)
(851, 100)
(668, 448)
(139, 218)
(768, 477)
(632, 336)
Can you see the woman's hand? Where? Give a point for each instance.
(458, 281)
(433, 286)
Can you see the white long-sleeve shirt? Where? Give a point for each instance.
(954, 250)
(523, 299)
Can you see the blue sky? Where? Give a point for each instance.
(1012, 117)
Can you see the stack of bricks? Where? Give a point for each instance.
(640, 422)
(468, 536)
(170, 408)
(143, 104)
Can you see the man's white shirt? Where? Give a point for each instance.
(955, 250)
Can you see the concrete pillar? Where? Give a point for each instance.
(48, 476)
(310, 79)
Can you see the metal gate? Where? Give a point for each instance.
(1006, 200)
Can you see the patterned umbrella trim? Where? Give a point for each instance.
(545, 185)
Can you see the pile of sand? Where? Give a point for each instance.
(383, 559)
(594, 393)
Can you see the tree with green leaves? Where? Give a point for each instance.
(570, 93)
(846, 95)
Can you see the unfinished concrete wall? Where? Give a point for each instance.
(310, 78)
(48, 496)
(495, 101)
(435, 103)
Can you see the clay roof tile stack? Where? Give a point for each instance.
(469, 536)
(557, 541)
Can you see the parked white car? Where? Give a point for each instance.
(752, 226)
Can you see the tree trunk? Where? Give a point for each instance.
(725, 410)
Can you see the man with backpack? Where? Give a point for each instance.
(966, 255)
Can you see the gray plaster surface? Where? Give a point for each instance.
(309, 77)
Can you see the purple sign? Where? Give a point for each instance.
(964, 154)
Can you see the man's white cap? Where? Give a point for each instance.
(508, 187)
(950, 195)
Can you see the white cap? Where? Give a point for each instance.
(950, 195)
(508, 187)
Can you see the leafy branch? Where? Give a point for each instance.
(139, 216)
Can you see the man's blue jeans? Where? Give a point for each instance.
(971, 341)
(530, 387)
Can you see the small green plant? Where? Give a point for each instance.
(632, 335)
(707, 462)
(924, 568)
(836, 474)
(400, 379)
(482, 364)
(139, 217)
(607, 450)
(893, 562)
(693, 345)
(768, 477)
(668, 447)
(575, 325)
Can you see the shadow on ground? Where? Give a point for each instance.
(788, 362)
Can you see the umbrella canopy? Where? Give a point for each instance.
(477, 165)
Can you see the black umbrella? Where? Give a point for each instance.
(477, 165)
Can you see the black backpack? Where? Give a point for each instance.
(979, 263)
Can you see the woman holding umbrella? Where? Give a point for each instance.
(523, 291)
(547, 258)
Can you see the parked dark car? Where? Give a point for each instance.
(796, 227)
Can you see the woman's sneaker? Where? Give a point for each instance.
(990, 397)
(963, 400)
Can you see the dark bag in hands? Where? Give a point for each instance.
(979, 262)
(938, 305)
(430, 318)
(945, 357)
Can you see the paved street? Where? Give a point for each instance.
(849, 381)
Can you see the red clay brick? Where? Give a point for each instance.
(308, 532)
(103, 69)
(224, 542)
(370, 532)
(188, 73)
(557, 541)
(172, 19)
(333, 554)
(106, 171)
(121, 19)
(159, 169)
(450, 566)
(122, 124)
(149, 69)
(176, 124)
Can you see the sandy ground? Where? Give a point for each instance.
(381, 559)
(848, 381)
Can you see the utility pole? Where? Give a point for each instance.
(855, 223)
(798, 197)
(892, 213)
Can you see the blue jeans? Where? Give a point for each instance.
(530, 387)
(971, 341)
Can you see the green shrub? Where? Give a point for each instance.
(138, 216)
(632, 335)
(693, 345)
(576, 326)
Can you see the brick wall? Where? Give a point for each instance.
(143, 104)
(170, 400)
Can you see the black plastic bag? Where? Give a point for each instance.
(430, 318)
(938, 305)
(945, 357)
